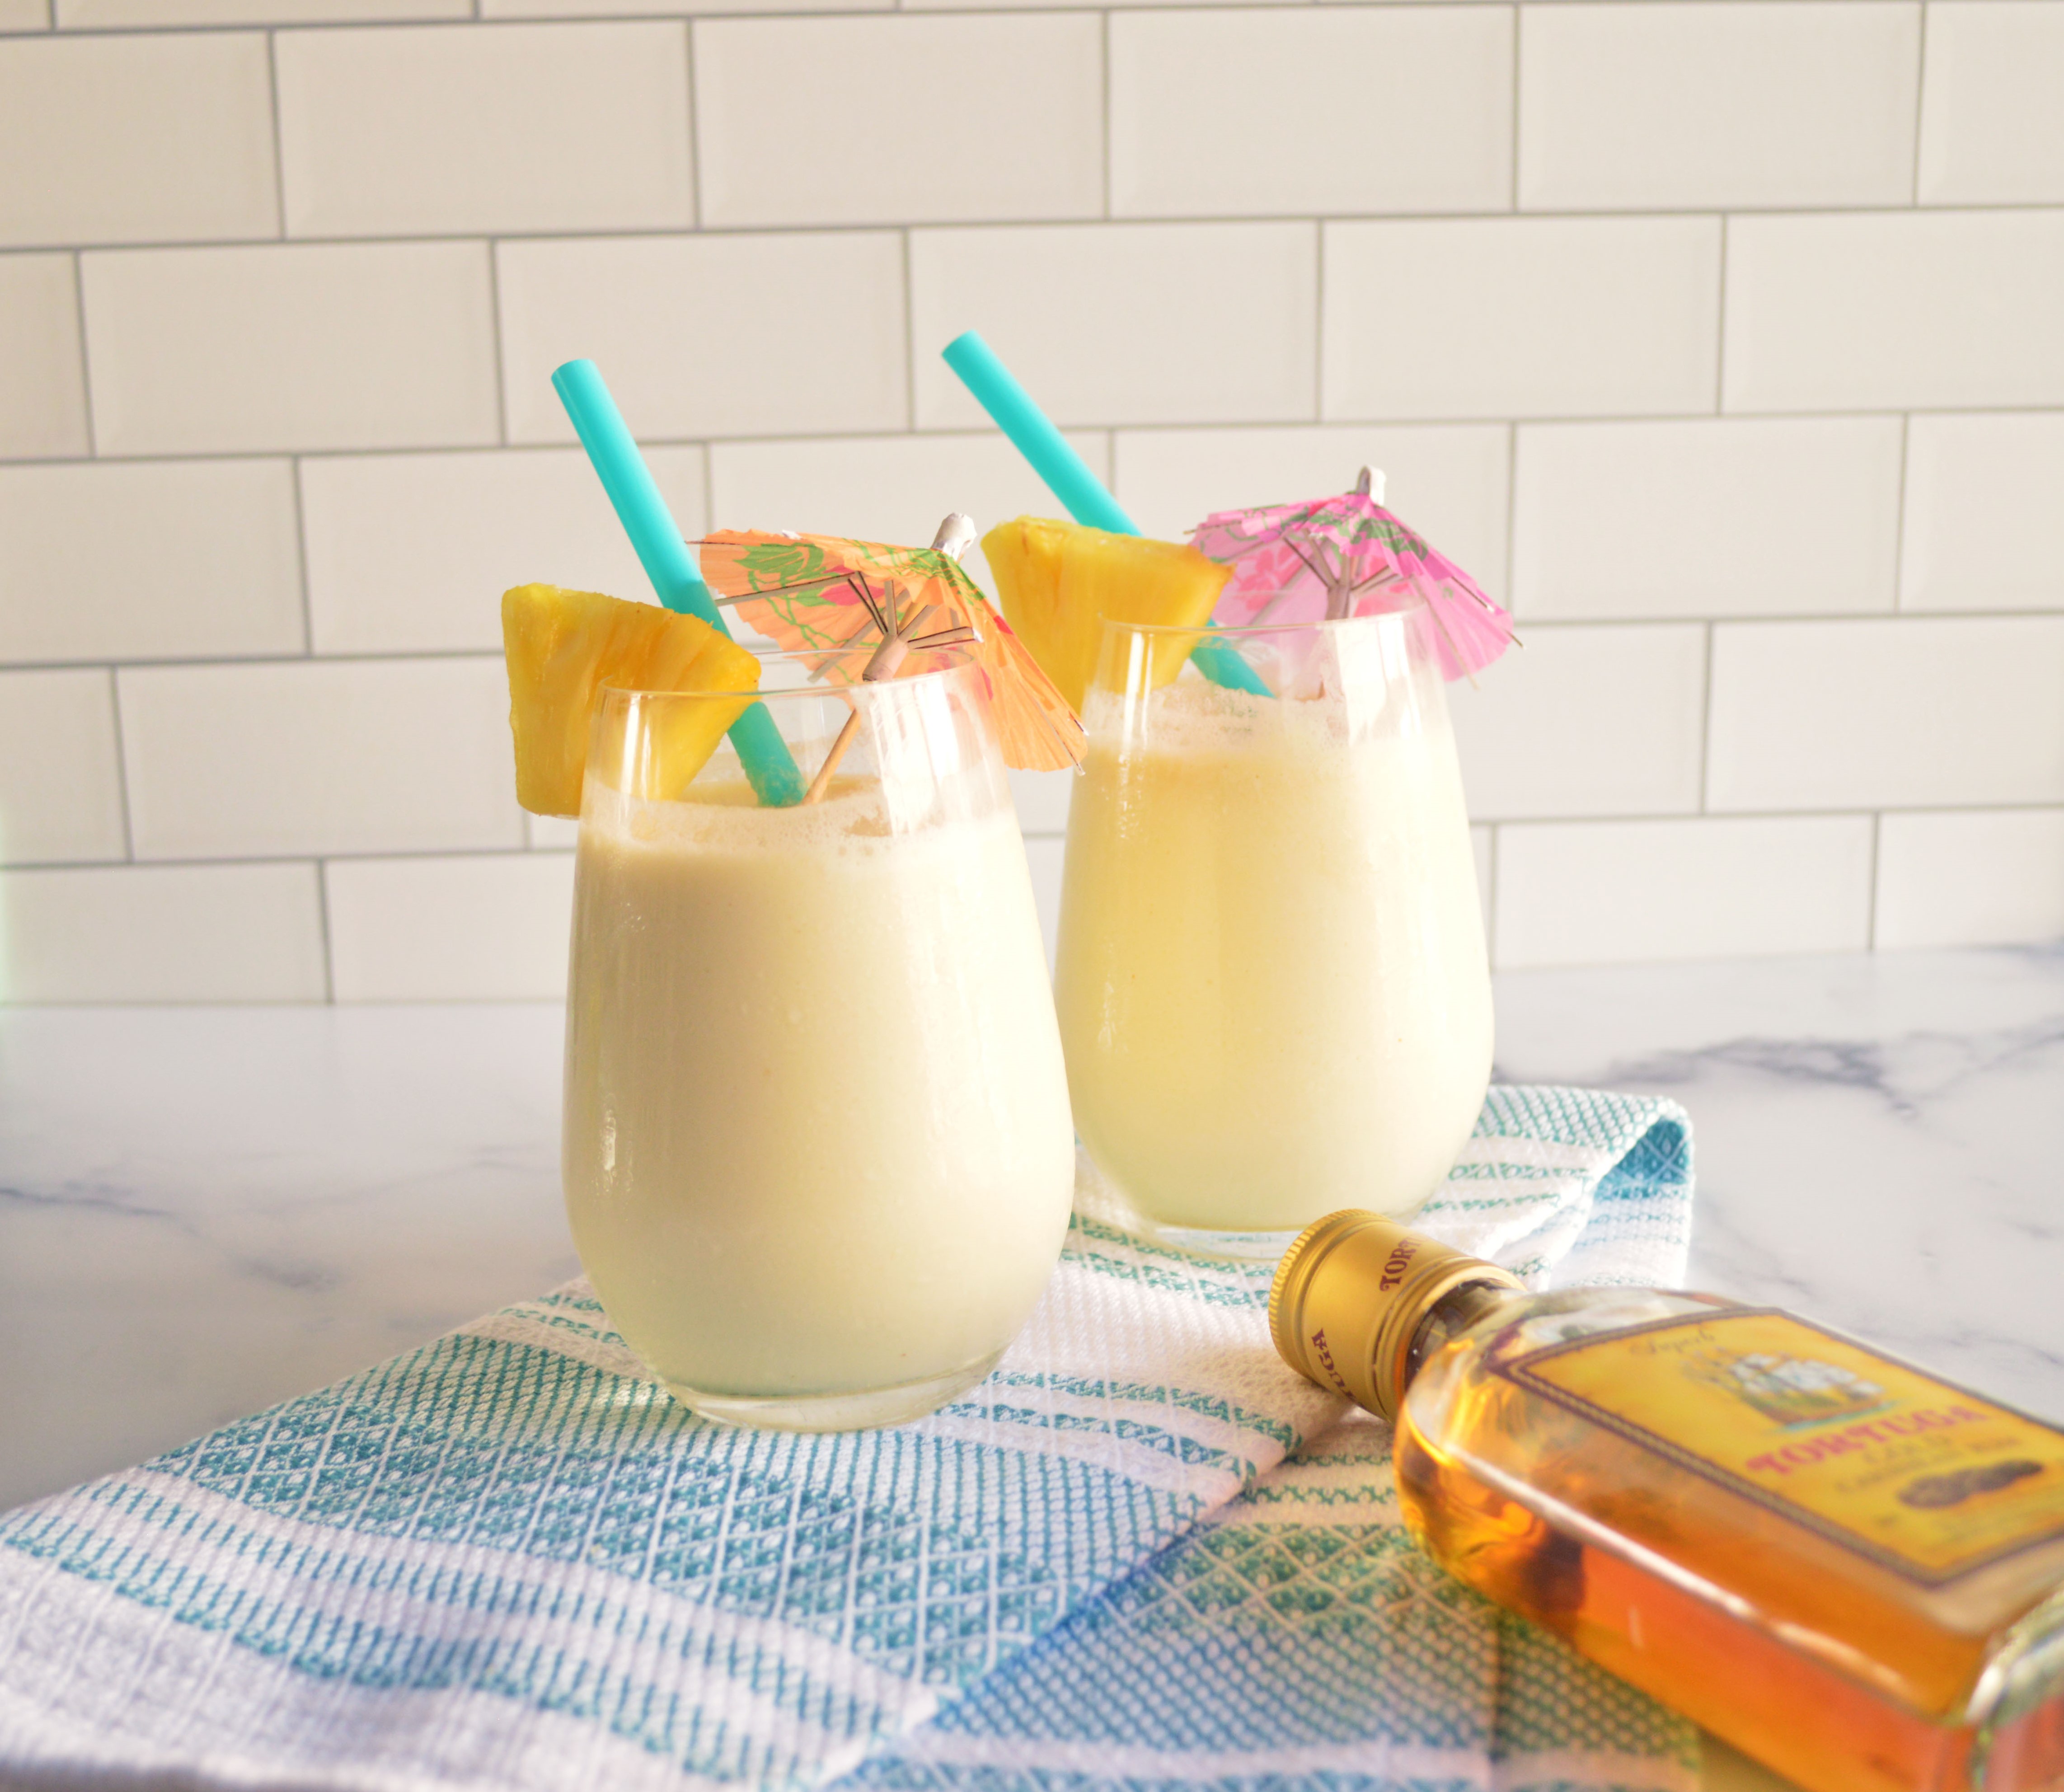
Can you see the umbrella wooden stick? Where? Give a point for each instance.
(954, 536)
(823, 781)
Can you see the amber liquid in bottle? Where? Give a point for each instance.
(1836, 1663)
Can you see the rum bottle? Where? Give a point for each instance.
(1850, 1569)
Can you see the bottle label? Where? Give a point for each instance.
(1922, 1477)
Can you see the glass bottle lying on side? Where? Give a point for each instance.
(1850, 1569)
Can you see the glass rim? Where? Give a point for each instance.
(1413, 606)
(826, 688)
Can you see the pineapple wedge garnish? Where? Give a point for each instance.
(1060, 583)
(563, 646)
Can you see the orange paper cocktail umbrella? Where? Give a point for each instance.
(868, 610)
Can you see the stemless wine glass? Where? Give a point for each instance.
(1271, 974)
(817, 1154)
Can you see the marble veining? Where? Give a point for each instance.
(1879, 1138)
(203, 1211)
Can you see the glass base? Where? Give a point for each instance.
(1238, 1247)
(865, 1410)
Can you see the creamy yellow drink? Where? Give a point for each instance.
(1272, 980)
(817, 1140)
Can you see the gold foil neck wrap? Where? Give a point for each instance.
(1350, 1294)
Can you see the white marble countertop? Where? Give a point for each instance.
(203, 1211)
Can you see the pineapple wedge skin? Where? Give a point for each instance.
(561, 646)
(1061, 582)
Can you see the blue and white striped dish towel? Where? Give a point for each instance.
(1142, 1553)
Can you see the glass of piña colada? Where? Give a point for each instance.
(817, 1152)
(1271, 978)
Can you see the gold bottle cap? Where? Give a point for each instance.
(1349, 1295)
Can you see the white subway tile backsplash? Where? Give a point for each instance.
(1749, 404)
(1905, 713)
(792, 333)
(1733, 518)
(149, 560)
(1270, 111)
(486, 927)
(1041, 798)
(319, 756)
(1621, 892)
(1893, 310)
(411, 553)
(162, 933)
(455, 128)
(1717, 103)
(90, 15)
(1449, 481)
(43, 400)
(1981, 494)
(1973, 877)
(1992, 129)
(293, 346)
(884, 487)
(1585, 722)
(1108, 323)
(60, 774)
(1521, 317)
(136, 139)
(551, 833)
(1043, 859)
(792, 128)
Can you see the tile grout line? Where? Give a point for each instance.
(1909, 620)
(695, 207)
(494, 341)
(301, 548)
(1870, 887)
(880, 9)
(374, 855)
(1706, 728)
(279, 139)
(949, 432)
(711, 520)
(1512, 172)
(1318, 323)
(1898, 521)
(1087, 220)
(1511, 518)
(909, 341)
(85, 354)
(1920, 98)
(1104, 72)
(1494, 826)
(1720, 330)
(121, 765)
(321, 868)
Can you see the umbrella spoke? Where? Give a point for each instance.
(1384, 575)
(1433, 610)
(857, 580)
(1297, 547)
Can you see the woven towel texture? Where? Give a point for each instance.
(507, 1560)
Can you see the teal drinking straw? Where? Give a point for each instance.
(769, 765)
(1068, 477)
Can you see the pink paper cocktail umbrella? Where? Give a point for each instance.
(1347, 556)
